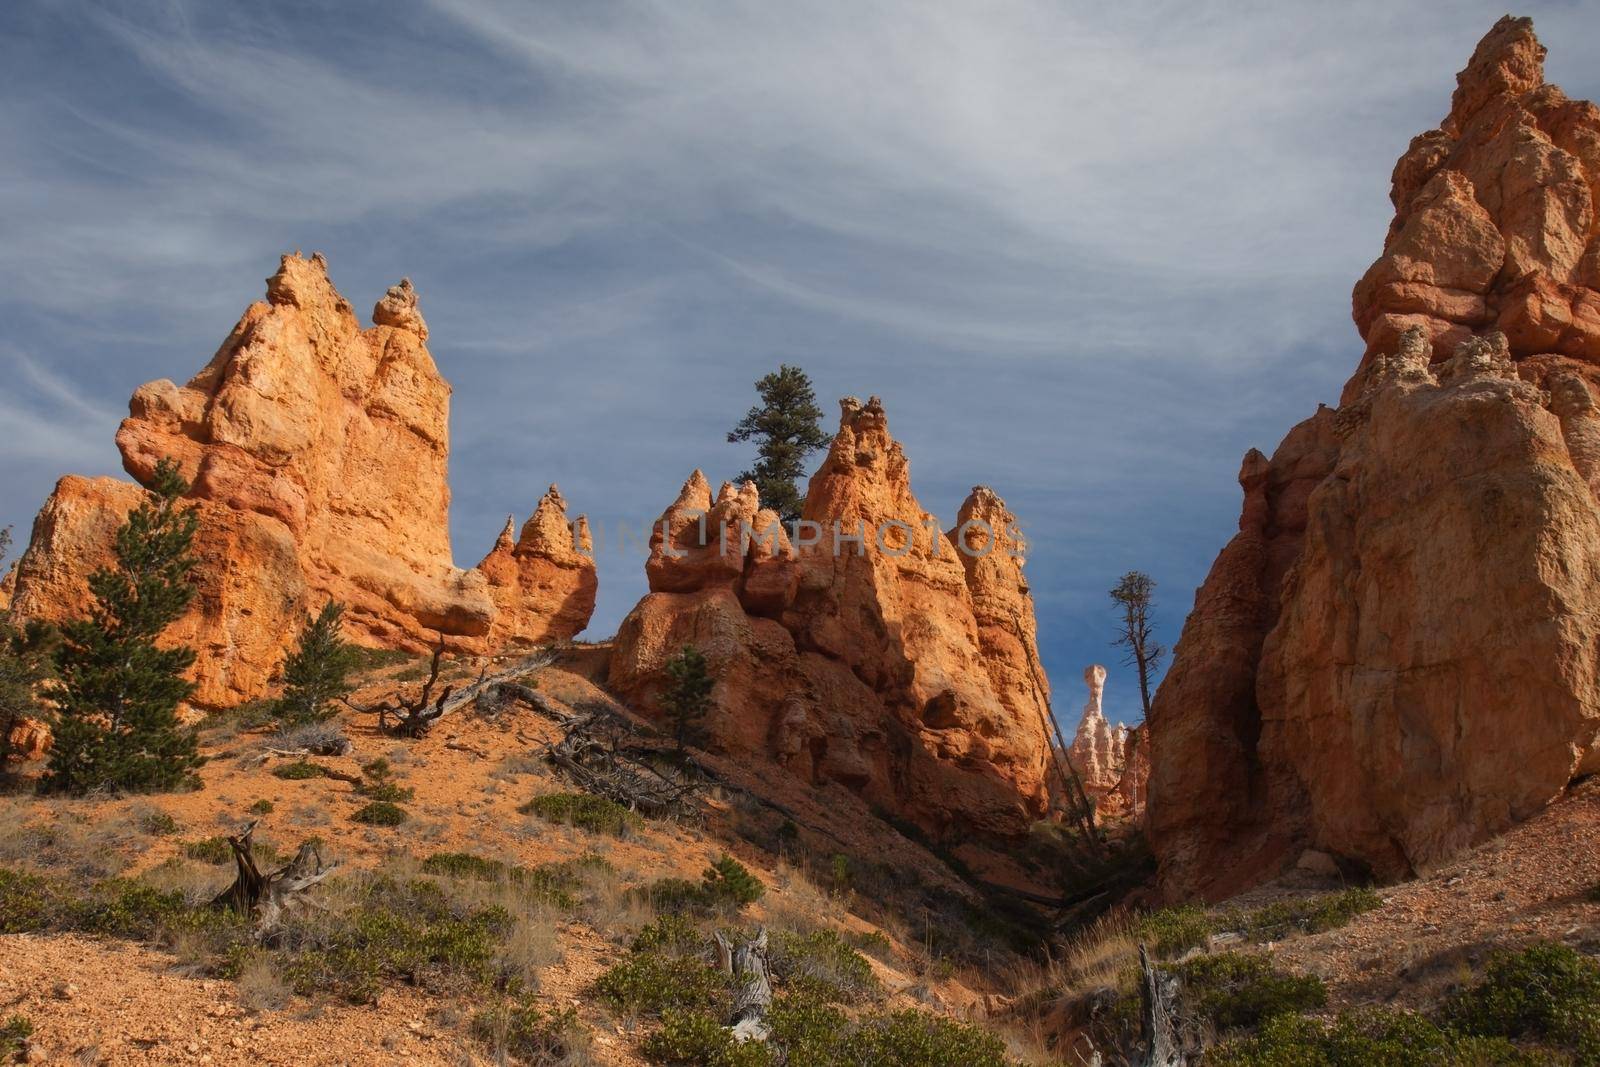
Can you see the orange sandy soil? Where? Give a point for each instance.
(112, 1002)
(1531, 883)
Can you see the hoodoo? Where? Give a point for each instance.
(874, 652)
(316, 452)
(1396, 655)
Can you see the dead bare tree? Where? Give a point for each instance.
(413, 717)
(267, 897)
(746, 964)
(592, 754)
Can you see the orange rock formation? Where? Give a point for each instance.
(1396, 655)
(317, 452)
(871, 652)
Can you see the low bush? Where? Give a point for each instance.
(378, 784)
(919, 1039)
(729, 883)
(262, 807)
(14, 1034)
(1546, 992)
(1393, 1039)
(522, 1029)
(213, 850)
(407, 931)
(823, 963)
(598, 815)
(671, 934)
(1172, 931)
(695, 1039)
(158, 823)
(381, 813)
(1308, 916)
(298, 771)
(1234, 991)
(725, 886)
(553, 883)
(652, 982)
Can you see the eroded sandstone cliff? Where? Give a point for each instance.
(872, 652)
(1396, 655)
(317, 455)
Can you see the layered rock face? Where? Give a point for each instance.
(1396, 655)
(316, 451)
(868, 650)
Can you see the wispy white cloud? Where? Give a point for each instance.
(1088, 254)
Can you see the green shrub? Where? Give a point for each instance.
(822, 962)
(158, 824)
(598, 815)
(919, 1039)
(381, 813)
(1393, 1039)
(524, 1030)
(554, 883)
(14, 1034)
(1172, 931)
(377, 784)
(1238, 991)
(406, 931)
(872, 942)
(262, 807)
(652, 982)
(1546, 992)
(671, 934)
(27, 902)
(298, 771)
(675, 895)
(728, 882)
(1310, 916)
(466, 865)
(695, 1039)
(213, 850)
(806, 1028)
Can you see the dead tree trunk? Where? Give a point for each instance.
(752, 995)
(1158, 1016)
(266, 897)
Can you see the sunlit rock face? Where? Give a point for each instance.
(895, 664)
(1396, 655)
(316, 451)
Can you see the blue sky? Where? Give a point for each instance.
(1086, 255)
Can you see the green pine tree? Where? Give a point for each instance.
(117, 696)
(688, 695)
(787, 425)
(318, 671)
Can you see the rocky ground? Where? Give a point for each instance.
(108, 1001)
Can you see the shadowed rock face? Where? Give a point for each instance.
(1396, 655)
(904, 669)
(317, 453)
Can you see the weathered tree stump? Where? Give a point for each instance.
(746, 964)
(267, 897)
(1158, 1016)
